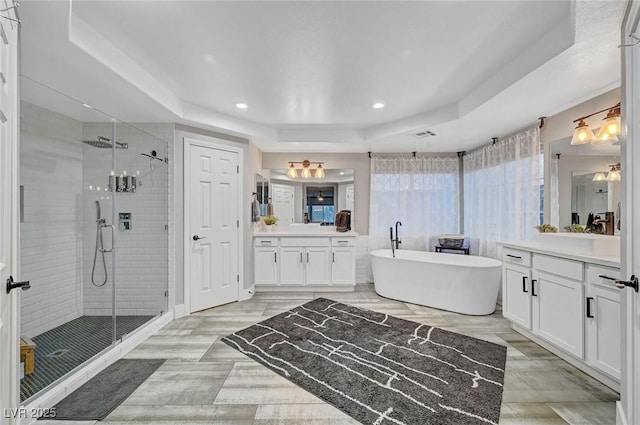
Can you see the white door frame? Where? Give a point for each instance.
(9, 163)
(628, 408)
(188, 142)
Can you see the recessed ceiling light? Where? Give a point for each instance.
(241, 105)
(378, 105)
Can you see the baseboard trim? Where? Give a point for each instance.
(179, 311)
(606, 380)
(304, 288)
(66, 386)
(621, 418)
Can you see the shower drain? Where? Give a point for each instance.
(58, 353)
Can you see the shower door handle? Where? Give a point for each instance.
(113, 237)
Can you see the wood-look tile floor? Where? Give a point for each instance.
(205, 381)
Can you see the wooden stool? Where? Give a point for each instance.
(28, 355)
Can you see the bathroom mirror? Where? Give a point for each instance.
(312, 200)
(592, 196)
(577, 194)
(262, 193)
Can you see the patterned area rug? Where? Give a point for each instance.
(380, 369)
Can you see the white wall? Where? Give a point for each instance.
(142, 253)
(51, 235)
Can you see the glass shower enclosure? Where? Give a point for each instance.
(93, 232)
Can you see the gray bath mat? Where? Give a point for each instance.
(106, 391)
(380, 369)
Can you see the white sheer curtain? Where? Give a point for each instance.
(554, 195)
(420, 192)
(502, 191)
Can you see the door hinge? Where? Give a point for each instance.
(238, 169)
(166, 293)
(237, 278)
(238, 224)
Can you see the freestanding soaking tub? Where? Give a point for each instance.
(465, 284)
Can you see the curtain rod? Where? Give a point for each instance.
(495, 140)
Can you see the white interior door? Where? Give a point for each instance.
(214, 226)
(283, 203)
(350, 203)
(9, 318)
(628, 411)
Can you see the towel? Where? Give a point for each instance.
(255, 211)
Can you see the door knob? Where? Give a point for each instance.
(13, 285)
(631, 283)
(197, 238)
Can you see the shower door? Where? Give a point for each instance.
(93, 233)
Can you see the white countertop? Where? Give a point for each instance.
(539, 248)
(321, 233)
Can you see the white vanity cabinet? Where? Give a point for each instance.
(516, 278)
(602, 307)
(324, 260)
(568, 305)
(343, 261)
(266, 261)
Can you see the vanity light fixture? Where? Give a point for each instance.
(610, 128)
(305, 173)
(599, 177)
(614, 174)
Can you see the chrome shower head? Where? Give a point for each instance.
(105, 143)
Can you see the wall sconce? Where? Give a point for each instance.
(614, 174)
(609, 129)
(292, 172)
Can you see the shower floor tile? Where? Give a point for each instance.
(62, 349)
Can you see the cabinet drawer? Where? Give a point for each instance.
(320, 241)
(602, 276)
(343, 241)
(559, 266)
(265, 242)
(515, 256)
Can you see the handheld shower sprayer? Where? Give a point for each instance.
(100, 222)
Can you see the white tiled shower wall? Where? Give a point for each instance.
(51, 234)
(142, 267)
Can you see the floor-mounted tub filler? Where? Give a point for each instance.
(465, 284)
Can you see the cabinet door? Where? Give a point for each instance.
(558, 306)
(291, 266)
(266, 266)
(603, 330)
(343, 266)
(318, 266)
(516, 300)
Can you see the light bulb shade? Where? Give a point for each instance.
(599, 177)
(306, 172)
(610, 128)
(604, 139)
(292, 172)
(613, 176)
(319, 172)
(611, 124)
(582, 134)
